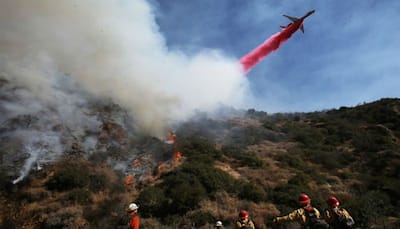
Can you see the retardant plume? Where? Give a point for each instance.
(273, 43)
(113, 49)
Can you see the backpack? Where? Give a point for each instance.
(245, 225)
(342, 221)
(312, 221)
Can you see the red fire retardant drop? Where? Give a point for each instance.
(271, 44)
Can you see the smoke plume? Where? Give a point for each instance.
(113, 49)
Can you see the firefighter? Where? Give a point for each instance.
(218, 225)
(243, 221)
(134, 219)
(307, 216)
(337, 217)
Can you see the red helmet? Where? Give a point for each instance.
(332, 201)
(304, 199)
(243, 214)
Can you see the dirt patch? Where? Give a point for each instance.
(228, 169)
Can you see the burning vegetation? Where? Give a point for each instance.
(56, 172)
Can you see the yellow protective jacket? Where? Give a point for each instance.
(297, 215)
(331, 215)
(243, 223)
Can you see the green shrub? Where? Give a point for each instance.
(245, 136)
(372, 139)
(305, 134)
(68, 178)
(184, 192)
(319, 178)
(344, 175)
(62, 218)
(270, 125)
(97, 182)
(246, 158)
(118, 187)
(370, 209)
(250, 159)
(286, 194)
(100, 216)
(384, 163)
(32, 197)
(199, 150)
(80, 196)
(211, 178)
(201, 218)
(152, 202)
(300, 179)
(291, 160)
(330, 159)
(185, 197)
(8, 223)
(98, 158)
(251, 192)
(386, 185)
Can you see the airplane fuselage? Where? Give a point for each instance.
(308, 14)
(298, 22)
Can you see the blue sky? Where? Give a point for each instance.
(347, 56)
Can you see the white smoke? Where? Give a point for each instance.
(38, 146)
(113, 49)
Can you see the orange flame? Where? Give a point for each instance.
(177, 156)
(129, 180)
(171, 138)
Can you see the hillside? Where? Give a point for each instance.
(241, 160)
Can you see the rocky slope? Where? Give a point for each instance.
(79, 168)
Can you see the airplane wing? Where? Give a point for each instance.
(291, 18)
